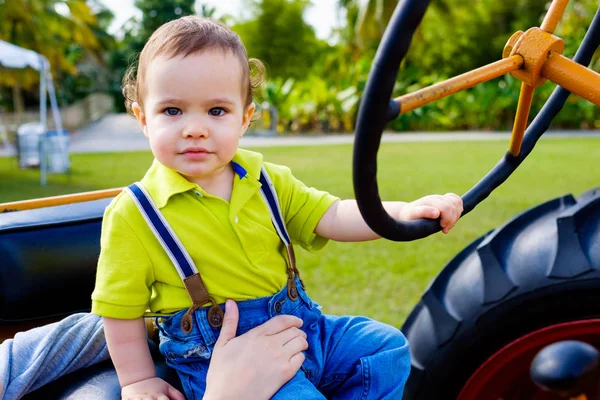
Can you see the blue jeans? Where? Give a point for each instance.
(347, 357)
(41, 355)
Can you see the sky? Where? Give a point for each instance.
(322, 15)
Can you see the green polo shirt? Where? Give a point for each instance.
(233, 244)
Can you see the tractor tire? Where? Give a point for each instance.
(540, 269)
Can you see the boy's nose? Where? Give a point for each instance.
(196, 131)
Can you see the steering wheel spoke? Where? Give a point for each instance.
(464, 81)
(554, 14)
(525, 98)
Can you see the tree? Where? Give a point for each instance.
(52, 28)
(135, 33)
(157, 12)
(278, 35)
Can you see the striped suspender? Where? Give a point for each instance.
(267, 191)
(183, 261)
(179, 257)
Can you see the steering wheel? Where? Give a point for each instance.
(533, 57)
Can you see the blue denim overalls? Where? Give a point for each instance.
(347, 357)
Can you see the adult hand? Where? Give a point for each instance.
(256, 364)
(151, 389)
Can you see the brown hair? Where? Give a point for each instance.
(184, 36)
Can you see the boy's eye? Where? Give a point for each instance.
(216, 112)
(172, 111)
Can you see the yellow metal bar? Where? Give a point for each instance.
(572, 76)
(554, 14)
(59, 200)
(521, 119)
(469, 79)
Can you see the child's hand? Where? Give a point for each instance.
(448, 207)
(151, 389)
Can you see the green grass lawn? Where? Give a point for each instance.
(380, 279)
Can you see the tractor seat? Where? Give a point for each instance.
(48, 262)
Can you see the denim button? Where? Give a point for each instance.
(216, 319)
(278, 307)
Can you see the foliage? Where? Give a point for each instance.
(277, 35)
(314, 85)
(135, 33)
(158, 12)
(449, 42)
(461, 35)
(434, 57)
(67, 32)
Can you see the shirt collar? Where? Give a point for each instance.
(249, 161)
(163, 182)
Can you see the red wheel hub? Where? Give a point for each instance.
(505, 375)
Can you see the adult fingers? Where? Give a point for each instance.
(296, 362)
(289, 334)
(175, 394)
(295, 346)
(278, 324)
(230, 323)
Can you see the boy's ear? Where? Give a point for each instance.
(247, 117)
(140, 116)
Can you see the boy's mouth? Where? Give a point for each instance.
(195, 153)
(195, 150)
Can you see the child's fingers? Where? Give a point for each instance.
(418, 212)
(443, 205)
(456, 200)
(449, 213)
(447, 207)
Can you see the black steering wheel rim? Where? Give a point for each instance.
(376, 110)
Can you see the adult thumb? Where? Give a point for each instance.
(230, 323)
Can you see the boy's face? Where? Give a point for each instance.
(194, 113)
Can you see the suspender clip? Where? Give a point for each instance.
(187, 321)
(292, 289)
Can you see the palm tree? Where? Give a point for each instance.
(51, 28)
(366, 20)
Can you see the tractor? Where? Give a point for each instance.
(530, 283)
(523, 296)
